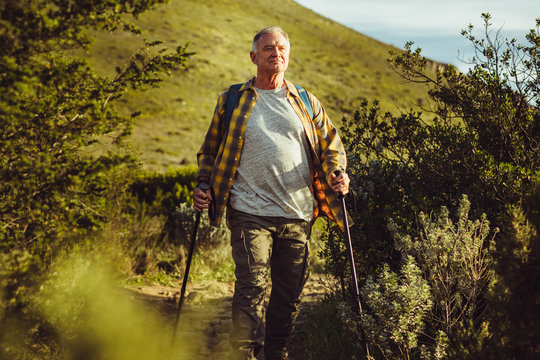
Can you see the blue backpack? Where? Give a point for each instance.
(232, 100)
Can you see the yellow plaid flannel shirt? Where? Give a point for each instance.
(220, 152)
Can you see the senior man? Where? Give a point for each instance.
(275, 168)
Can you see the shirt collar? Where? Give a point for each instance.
(248, 85)
(292, 89)
(290, 86)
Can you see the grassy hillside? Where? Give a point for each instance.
(337, 64)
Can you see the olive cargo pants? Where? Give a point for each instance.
(258, 244)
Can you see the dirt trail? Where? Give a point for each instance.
(205, 322)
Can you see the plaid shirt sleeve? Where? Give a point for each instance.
(328, 155)
(207, 154)
(220, 152)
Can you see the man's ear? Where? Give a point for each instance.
(253, 57)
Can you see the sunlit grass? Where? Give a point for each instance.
(217, 265)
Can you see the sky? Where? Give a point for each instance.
(434, 26)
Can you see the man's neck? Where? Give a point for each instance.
(274, 81)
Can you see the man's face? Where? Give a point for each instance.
(272, 55)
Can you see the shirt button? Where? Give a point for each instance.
(245, 116)
(235, 158)
(240, 138)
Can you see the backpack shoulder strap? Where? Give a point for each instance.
(233, 96)
(305, 99)
(232, 100)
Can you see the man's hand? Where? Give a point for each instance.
(340, 183)
(201, 199)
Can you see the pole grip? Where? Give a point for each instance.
(337, 173)
(212, 209)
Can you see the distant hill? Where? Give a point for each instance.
(339, 65)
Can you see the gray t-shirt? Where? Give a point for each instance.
(274, 174)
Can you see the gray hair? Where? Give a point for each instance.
(268, 30)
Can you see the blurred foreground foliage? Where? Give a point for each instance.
(80, 311)
(474, 283)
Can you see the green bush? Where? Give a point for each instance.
(456, 260)
(395, 324)
(482, 141)
(430, 309)
(53, 188)
(164, 191)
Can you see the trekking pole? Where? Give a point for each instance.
(203, 187)
(348, 243)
